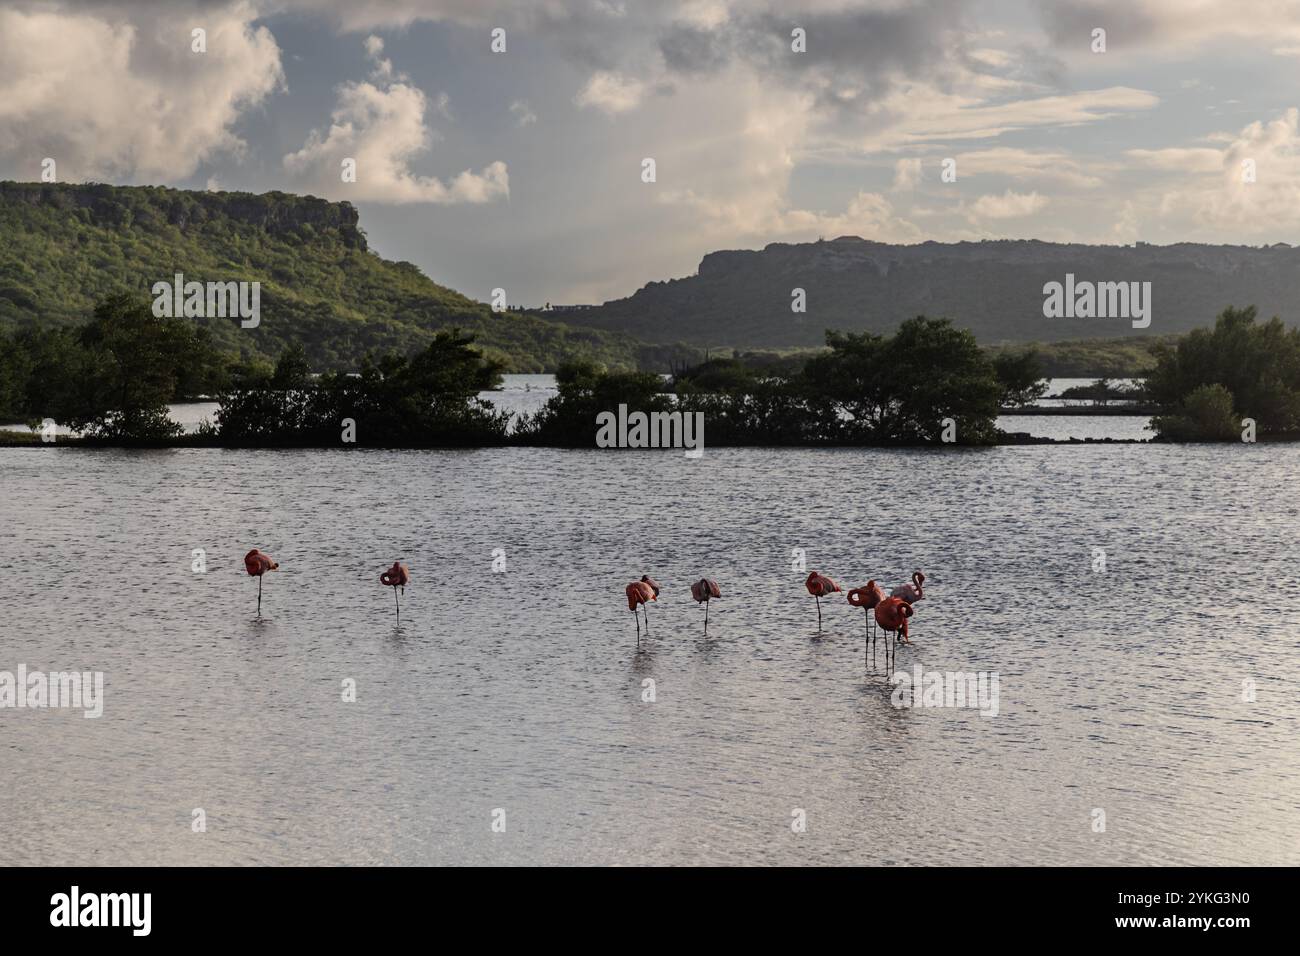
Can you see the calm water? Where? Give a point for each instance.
(522, 691)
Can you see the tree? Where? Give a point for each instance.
(114, 377)
(133, 365)
(1258, 364)
(1020, 374)
(585, 389)
(848, 388)
(1206, 414)
(726, 375)
(938, 372)
(901, 389)
(428, 399)
(15, 372)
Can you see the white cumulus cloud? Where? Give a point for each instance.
(1010, 205)
(611, 92)
(380, 123)
(113, 96)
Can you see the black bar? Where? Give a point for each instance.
(946, 907)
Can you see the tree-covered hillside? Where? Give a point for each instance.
(746, 298)
(67, 247)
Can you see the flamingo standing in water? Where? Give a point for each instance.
(866, 597)
(257, 564)
(638, 593)
(911, 593)
(892, 614)
(398, 576)
(702, 590)
(819, 586)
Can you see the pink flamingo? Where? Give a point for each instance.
(866, 597)
(398, 576)
(703, 590)
(638, 594)
(911, 593)
(257, 564)
(820, 586)
(892, 614)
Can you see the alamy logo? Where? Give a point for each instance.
(213, 300)
(653, 430)
(59, 689)
(1098, 300)
(923, 689)
(103, 909)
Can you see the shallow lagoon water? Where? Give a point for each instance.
(1120, 690)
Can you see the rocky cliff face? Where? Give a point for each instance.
(277, 213)
(743, 298)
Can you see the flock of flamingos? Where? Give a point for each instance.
(891, 613)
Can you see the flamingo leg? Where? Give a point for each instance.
(819, 611)
(259, 595)
(645, 609)
(706, 616)
(398, 603)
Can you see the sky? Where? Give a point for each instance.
(523, 168)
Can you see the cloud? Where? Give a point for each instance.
(856, 49)
(374, 50)
(918, 115)
(736, 160)
(907, 173)
(1049, 166)
(523, 113)
(1010, 205)
(1215, 196)
(1178, 159)
(380, 123)
(1175, 26)
(611, 93)
(112, 95)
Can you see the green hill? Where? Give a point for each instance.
(67, 246)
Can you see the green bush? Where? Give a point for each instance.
(427, 400)
(1206, 415)
(1257, 366)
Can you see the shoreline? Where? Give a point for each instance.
(1085, 411)
(1012, 439)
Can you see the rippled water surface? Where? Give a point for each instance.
(523, 691)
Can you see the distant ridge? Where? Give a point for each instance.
(994, 288)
